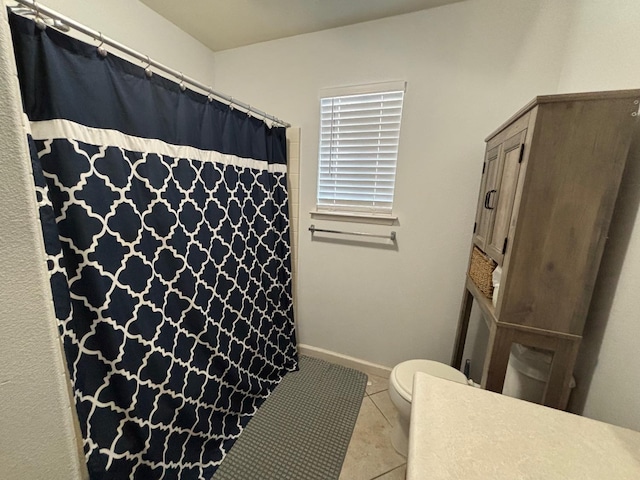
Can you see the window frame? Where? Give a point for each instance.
(360, 213)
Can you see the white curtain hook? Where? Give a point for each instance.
(210, 96)
(231, 104)
(249, 111)
(101, 50)
(183, 87)
(147, 70)
(38, 19)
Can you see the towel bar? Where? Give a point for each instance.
(391, 236)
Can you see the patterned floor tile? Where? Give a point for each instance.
(384, 404)
(399, 473)
(370, 452)
(376, 384)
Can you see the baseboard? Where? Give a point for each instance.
(344, 360)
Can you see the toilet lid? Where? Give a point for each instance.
(403, 374)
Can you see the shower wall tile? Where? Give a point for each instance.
(293, 134)
(293, 176)
(294, 196)
(294, 167)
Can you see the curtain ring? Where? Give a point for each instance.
(40, 23)
(210, 96)
(101, 50)
(147, 70)
(231, 104)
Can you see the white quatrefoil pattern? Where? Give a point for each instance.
(172, 286)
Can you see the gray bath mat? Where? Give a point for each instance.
(302, 430)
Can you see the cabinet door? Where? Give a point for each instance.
(484, 212)
(510, 159)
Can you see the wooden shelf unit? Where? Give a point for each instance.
(550, 181)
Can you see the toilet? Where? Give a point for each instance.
(401, 389)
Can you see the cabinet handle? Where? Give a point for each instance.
(487, 200)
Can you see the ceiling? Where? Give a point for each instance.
(224, 24)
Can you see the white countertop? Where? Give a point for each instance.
(462, 432)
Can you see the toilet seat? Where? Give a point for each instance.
(402, 375)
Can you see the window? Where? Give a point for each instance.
(359, 134)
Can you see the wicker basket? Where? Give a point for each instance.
(481, 270)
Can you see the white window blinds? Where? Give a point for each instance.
(359, 136)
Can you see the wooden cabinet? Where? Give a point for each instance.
(549, 185)
(495, 206)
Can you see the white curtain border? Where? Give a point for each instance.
(60, 128)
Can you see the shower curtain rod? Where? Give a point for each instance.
(39, 10)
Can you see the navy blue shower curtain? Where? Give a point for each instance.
(166, 228)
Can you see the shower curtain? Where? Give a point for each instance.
(165, 225)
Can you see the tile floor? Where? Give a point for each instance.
(370, 454)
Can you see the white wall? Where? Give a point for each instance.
(137, 26)
(468, 66)
(602, 54)
(38, 438)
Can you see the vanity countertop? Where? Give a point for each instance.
(465, 433)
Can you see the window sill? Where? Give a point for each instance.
(355, 217)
